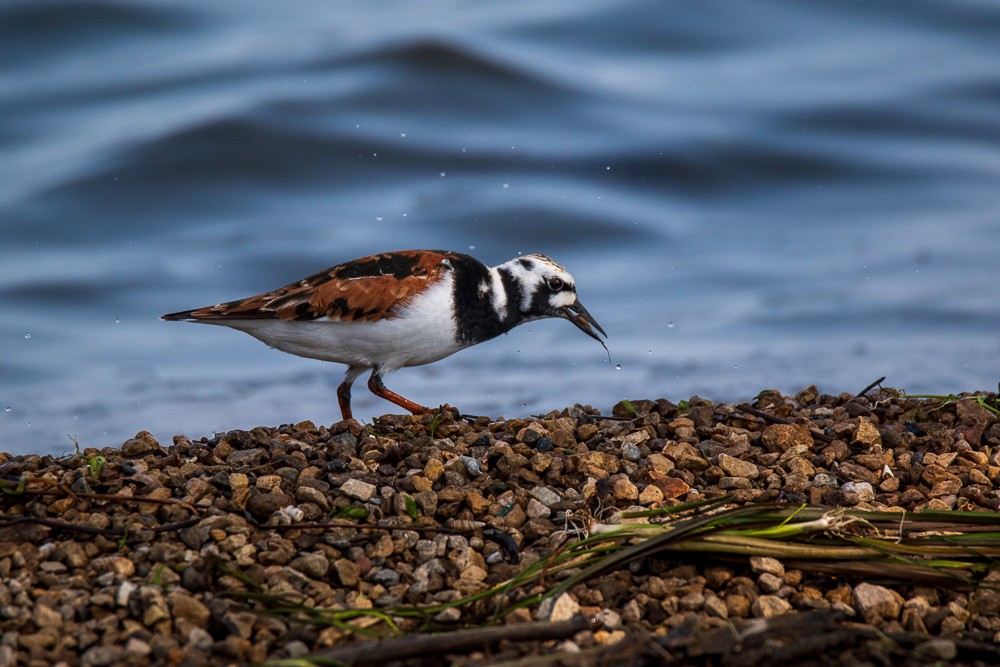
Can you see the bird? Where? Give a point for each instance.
(399, 309)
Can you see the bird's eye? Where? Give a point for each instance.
(556, 284)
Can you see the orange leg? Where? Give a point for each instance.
(379, 389)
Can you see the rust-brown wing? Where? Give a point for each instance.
(363, 290)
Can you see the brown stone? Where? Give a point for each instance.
(622, 488)
(598, 464)
(735, 467)
(685, 456)
(935, 473)
(267, 504)
(143, 443)
(945, 487)
(780, 437)
(866, 434)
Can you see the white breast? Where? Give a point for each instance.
(423, 332)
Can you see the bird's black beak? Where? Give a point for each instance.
(584, 321)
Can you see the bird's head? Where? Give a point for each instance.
(548, 290)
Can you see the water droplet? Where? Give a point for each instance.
(736, 367)
(378, 218)
(608, 168)
(402, 134)
(670, 325)
(118, 320)
(27, 335)
(7, 409)
(443, 174)
(618, 367)
(463, 150)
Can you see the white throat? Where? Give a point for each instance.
(493, 286)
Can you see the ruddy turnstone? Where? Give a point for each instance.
(396, 309)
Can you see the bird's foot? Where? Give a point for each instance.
(455, 412)
(464, 416)
(443, 411)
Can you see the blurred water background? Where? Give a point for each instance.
(750, 195)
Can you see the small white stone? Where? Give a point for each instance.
(125, 590)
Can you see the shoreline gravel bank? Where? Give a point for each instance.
(158, 553)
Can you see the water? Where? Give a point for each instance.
(750, 195)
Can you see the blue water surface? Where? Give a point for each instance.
(750, 195)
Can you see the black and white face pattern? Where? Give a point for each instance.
(545, 288)
(489, 302)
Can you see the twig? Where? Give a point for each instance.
(330, 525)
(116, 498)
(452, 642)
(870, 387)
(772, 419)
(7, 521)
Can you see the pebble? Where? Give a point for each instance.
(877, 603)
(358, 490)
(537, 510)
(716, 607)
(768, 565)
(767, 606)
(312, 565)
(622, 488)
(735, 467)
(855, 493)
(545, 495)
(769, 583)
(651, 495)
(631, 452)
(562, 608)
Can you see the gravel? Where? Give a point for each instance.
(153, 553)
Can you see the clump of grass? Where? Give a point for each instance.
(988, 401)
(95, 464)
(349, 513)
(629, 409)
(945, 548)
(411, 507)
(13, 488)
